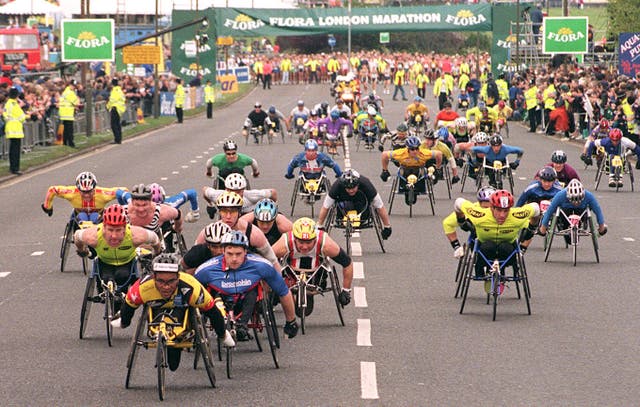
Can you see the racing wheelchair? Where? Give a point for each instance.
(496, 174)
(412, 186)
(159, 329)
(495, 277)
(351, 221)
(110, 294)
(577, 226)
(616, 166)
(368, 133)
(310, 190)
(306, 284)
(67, 240)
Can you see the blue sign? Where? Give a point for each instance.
(332, 41)
(629, 51)
(167, 104)
(241, 73)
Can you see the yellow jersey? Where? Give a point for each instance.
(487, 229)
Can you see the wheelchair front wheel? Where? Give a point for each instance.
(335, 287)
(86, 305)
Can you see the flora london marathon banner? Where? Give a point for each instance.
(87, 40)
(260, 22)
(565, 35)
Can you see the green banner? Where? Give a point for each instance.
(504, 41)
(188, 55)
(565, 35)
(87, 40)
(238, 22)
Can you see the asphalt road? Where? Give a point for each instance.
(579, 346)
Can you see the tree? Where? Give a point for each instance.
(624, 16)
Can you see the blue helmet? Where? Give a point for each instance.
(443, 133)
(235, 238)
(272, 110)
(311, 145)
(335, 114)
(412, 142)
(548, 174)
(266, 210)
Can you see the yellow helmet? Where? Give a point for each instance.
(305, 229)
(229, 200)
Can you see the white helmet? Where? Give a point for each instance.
(372, 110)
(461, 122)
(213, 232)
(235, 181)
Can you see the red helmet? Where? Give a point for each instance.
(604, 124)
(615, 134)
(114, 216)
(501, 199)
(501, 103)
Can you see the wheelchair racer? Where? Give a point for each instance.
(331, 127)
(229, 162)
(372, 118)
(473, 159)
(114, 242)
(432, 142)
(414, 109)
(599, 132)
(564, 171)
(615, 144)
(574, 199)
(143, 212)
(87, 199)
(311, 162)
(266, 217)
(236, 275)
(476, 113)
(397, 138)
(344, 111)
(498, 226)
(211, 247)
(167, 288)
(486, 122)
(307, 248)
(273, 121)
(450, 223)
(237, 183)
(298, 114)
(460, 130)
(445, 117)
(159, 196)
(411, 159)
(229, 206)
(255, 119)
(497, 151)
(344, 194)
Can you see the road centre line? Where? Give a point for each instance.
(356, 249)
(4, 274)
(38, 253)
(629, 239)
(364, 332)
(358, 269)
(360, 297)
(368, 383)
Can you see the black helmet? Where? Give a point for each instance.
(324, 105)
(548, 174)
(141, 191)
(350, 178)
(495, 140)
(402, 128)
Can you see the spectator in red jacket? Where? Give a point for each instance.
(559, 119)
(446, 116)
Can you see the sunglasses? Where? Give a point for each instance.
(230, 154)
(166, 282)
(413, 148)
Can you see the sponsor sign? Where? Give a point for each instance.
(629, 54)
(228, 83)
(565, 35)
(87, 40)
(142, 54)
(384, 38)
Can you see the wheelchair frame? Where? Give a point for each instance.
(499, 173)
(619, 169)
(423, 176)
(310, 197)
(583, 227)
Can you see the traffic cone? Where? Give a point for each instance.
(140, 116)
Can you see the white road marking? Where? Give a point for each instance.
(364, 332)
(368, 382)
(358, 269)
(37, 253)
(522, 178)
(356, 234)
(205, 152)
(212, 148)
(163, 178)
(356, 249)
(175, 172)
(185, 166)
(4, 274)
(198, 156)
(629, 239)
(360, 297)
(193, 161)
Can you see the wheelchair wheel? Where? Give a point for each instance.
(269, 324)
(431, 196)
(447, 178)
(522, 275)
(348, 232)
(594, 236)
(549, 237)
(203, 345)
(335, 287)
(301, 305)
(181, 244)
(86, 305)
(161, 364)
(133, 348)
(510, 178)
(392, 194)
(617, 175)
(465, 174)
(630, 171)
(67, 240)
(411, 195)
(294, 197)
(377, 225)
(599, 171)
(466, 280)
(330, 219)
(85, 265)
(495, 288)
(108, 315)
(229, 360)
(462, 268)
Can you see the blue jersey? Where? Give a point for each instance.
(561, 201)
(313, 169)
(611, 149)
(505, 150)
(215, 275)
(535, 193)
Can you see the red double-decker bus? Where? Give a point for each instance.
(17, 44)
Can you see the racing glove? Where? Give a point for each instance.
(638, 164)
(47, 211)
(458, 253)
(386, 232)
(344, 297)
(384, 176)
(289, 176)
(381, 148)
(604, 231)
(291, 328)
(211, 211)
(514, 164)
(589, 161)
(455, 179)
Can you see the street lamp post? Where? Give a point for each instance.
(156, 80)
(349, 35)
